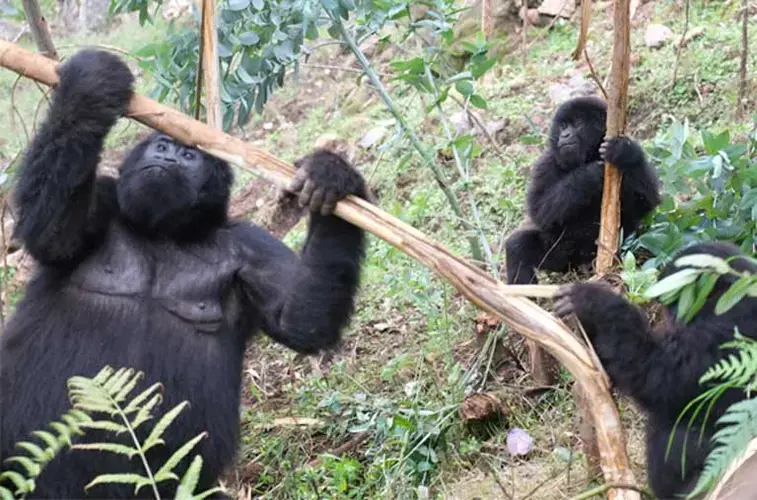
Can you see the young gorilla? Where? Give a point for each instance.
(147, 272)
(565, 193)
(661, 370)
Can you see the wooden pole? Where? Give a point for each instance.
(476, 285)
(40, 30)
(617, 105)
(209, 66)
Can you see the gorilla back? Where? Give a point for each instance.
(146, 272)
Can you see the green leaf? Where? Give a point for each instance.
(32, 468)
(238, 4)
(530, 140)
(478, 101)
(161, 426)
(119, 449)
(106, 425)
(17, 479)
(179, 455)
(705, 285)
(734, 294)
(249, 38)
(685, 301)
(675, 281)
(134, 479)
(36, 452)
(480, 68)
(703, 260)
(135, 403)
(464, 87)
(190, 479)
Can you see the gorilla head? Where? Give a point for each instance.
(577, 130)
(170, 189)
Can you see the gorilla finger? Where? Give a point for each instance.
(329, 203)
(563, 307)
(316, 200)
(306, 193)
(298, 182)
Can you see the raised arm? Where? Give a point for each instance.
(62, 208)
(306, 301)
(659, 373)
(555, 196)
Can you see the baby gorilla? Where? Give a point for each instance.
(660, 370)
(147, 272)
(564, 197)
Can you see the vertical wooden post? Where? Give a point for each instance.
(617, 105)
(487, 18)
(209, 70)
(40, 30)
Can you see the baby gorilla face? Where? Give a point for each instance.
(164, 183)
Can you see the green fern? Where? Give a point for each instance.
(738, 425)
(107, 395)
(37, 457)
(738, 428)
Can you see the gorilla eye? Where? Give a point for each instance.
(189, 155)
(161, 147)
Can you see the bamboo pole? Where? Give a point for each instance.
(209, 67)
(617, 106)
(477, 286)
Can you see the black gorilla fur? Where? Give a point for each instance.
(565, 192)
(147, 272)
(660, 370)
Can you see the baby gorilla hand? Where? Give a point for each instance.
(323, 178)
(95, 84)
(619, 151)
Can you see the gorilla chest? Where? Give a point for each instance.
(192, 282)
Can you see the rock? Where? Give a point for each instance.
(656, 35)
(577, 86)
(373, 136)
(557, 8)
(534, 18)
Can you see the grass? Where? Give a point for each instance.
(412, 354)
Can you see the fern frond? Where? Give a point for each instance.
(739, 427)
(37, 456)
(188, 483)
(740, 368)
(160, 427)
(178, 456)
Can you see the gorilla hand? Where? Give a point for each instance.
(563, 303)
(323, 178)
(94, 85)
(622, 152)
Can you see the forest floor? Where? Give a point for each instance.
(380, 417)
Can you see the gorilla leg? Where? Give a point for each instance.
(529, 249)
(678, 474)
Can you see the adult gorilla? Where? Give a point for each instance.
(564, 196)
(147, 272)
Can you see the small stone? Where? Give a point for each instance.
(656, 35)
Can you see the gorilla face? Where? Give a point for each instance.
(577, 131)
(168, 188)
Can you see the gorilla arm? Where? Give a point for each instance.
(63, 208)
(640, 188)
(556, 196)
(660, 374)
(305, 302)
